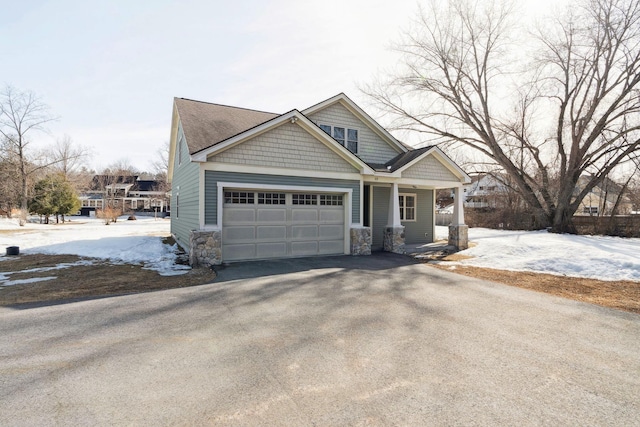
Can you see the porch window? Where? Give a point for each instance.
(407, 207)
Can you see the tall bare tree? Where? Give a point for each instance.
(563, 102)
(21, 115)
(67, 157)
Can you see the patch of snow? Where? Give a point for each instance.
(126, 242)
(25, 281)
(595, 257)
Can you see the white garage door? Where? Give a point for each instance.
(261, 225)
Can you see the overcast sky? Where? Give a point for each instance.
(110, 69)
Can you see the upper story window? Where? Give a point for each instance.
(345, 136)
(407, 207)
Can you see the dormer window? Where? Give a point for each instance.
(345, 136)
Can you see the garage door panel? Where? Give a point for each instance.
(332, 215)
(239, 215)
(239, 252)
(272, 215)
(272, 232)
(330, 247)
(237, 233)
(304, 231)
(331, 232)
(304, 215)
(304, 248)
(271, 250)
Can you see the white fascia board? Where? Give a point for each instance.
(443, 159)
(173, 141)
(293, 116)
(361, 114)
(412, 182)
(265, 170)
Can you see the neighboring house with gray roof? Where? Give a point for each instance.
(326, 180)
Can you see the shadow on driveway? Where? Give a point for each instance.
(377, 261)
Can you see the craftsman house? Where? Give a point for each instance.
(326, 180)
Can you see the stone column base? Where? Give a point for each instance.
(394, 239)
(459, 236)
(360, 240)
(206, 248)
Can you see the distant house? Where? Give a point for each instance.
(326, 180)
(489, 191)
(128, 193)
(484, 191)
(601, 200)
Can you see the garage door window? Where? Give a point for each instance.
(304, 199)
(330, 200)
(271, 198)
(239, 197)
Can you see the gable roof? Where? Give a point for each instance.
(361, 114)
(205, 124)
(293, 116)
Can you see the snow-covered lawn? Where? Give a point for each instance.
(125, 241)
(595, 257)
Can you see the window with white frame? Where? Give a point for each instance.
(345, 136)
(239, 197)
(304, 199)
(407, 207)
(330, 200)
(271, 198)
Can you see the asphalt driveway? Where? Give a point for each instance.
(378, 340)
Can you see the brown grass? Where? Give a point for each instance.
(99, 279)
(622, 295)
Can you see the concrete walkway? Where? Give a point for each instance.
(380, 340)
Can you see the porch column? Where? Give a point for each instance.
(458, 231)
(458, 206)
(394, 231)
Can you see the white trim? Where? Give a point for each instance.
(201, 197)
(347, 192)
(428, 184)
(265, 170)
(360, 114)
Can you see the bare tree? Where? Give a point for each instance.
(67, 157)
(21, 114)
(160, 164)
(570, 109)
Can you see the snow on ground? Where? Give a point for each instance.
(140, 241)
(133, 242)
(595, 257)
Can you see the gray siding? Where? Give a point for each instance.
(184, 217)
(430, 168)
(371, 148)
(414, 232)
(211, 179)
(287, 146)
(380, 216)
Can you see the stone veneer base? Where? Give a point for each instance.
(360, 240)
(459, 236)
(394, 240)
(206, 248)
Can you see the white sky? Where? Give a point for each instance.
(110, 69)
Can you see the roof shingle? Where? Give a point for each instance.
(205, 124)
